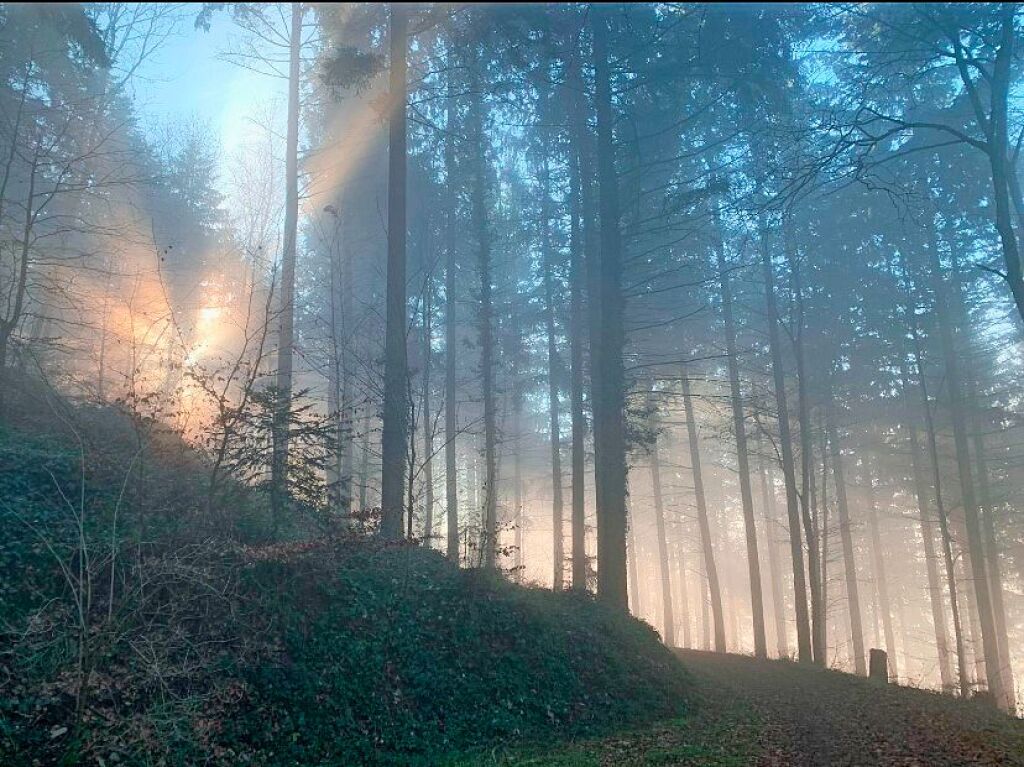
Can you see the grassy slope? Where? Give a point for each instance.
(391, 655)
(196, 648)
(345, 653)
(751, 712)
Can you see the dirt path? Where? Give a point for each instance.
(748, 713)
(814, 717)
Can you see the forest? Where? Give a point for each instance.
(519, 384)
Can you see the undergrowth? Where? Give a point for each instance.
(135, 629)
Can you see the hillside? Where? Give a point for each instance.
(342, 654)
(133, 634)
(204, 644)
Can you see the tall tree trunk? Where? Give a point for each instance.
(971, 607)
(347, 411)
(944, 533)
(634, 572)
(339, 396)
(710, 570)
(474, 476)
(101, 373)
(410, 468)
(945, 536)
(803, 627)
(334, 461)
(770, 525)
(451, 467)
(934, 583)
(733, 613)
(364, 460)
(681, 587)
(286, 330)
(825, 539)
(994, 567)
(846, 538)
(807, 471)
(900, 616)
(975, 543)
(485, 319)
(9, 324)
(705, 600)
(742, 458)
(548, 267)
(608, 375)
(876, 641)
(963, 325)
(577, 329)
(668, 618)
(428, 436)
(517, 477)
(881, 578)
(394, 438)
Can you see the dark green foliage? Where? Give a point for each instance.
(166, 639)
(27, 468)
(392, 655)
(348, 68)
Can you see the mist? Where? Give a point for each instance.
(705, 314)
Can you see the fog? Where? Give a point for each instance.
(713, 311)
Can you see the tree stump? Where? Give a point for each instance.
(878, 666)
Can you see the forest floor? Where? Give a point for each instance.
(750, 712)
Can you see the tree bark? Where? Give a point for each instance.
(608, 376)
(705, 600)
(994, 567)
(945, 536)
(485, 319)
(554, 415)
(681, 590)
(334, 463)
(517, 477)
(881, 578)
(364, 460)
(807, 474)
(944, 533)
(451, 466)
(770, 524)
(9, 323)
(394, 438)
(577, 329)
(711, 571)
(803, 628)
(286, 331)
(742, 458)
(846, 537)
(347, 424)
(634, 574)
(928, 536)
(975, 544)
(824, 537)
(668, 618)
(428, 436)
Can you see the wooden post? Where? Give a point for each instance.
(878, 666)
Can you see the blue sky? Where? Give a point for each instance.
(186, 78)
